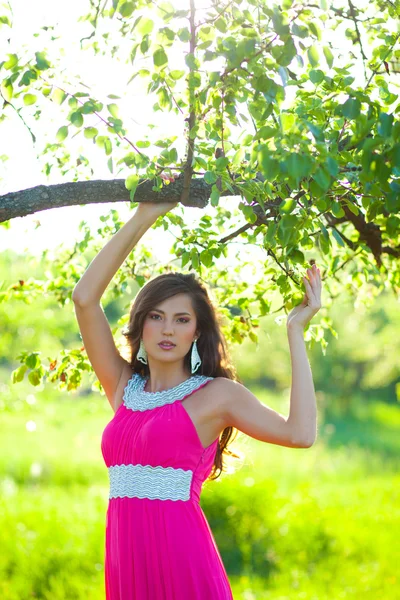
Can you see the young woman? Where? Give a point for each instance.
(176, 402)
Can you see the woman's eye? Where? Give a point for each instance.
(181, 319)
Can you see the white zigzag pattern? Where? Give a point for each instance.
(136, 398)
(146, 481)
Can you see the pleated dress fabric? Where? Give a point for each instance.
(159, 545)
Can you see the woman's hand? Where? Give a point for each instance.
(311, 303)
(156, 209)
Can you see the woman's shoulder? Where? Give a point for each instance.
(224, 387)
(225, 382)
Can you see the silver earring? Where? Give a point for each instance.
(195, 357)
(142, 354)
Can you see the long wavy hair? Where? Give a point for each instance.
(211, 344)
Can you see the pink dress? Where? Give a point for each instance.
(159, 545)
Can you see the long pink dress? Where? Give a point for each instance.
(159, 545)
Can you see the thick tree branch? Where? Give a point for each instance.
(43, 197)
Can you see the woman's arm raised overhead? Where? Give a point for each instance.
(95, 330)
(242, 410)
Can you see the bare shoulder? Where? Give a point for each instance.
(228, 385)
(226, 391)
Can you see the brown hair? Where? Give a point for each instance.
(211, 344)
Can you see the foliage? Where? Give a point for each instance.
(291, 107)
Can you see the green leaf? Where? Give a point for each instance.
(41, 61)
(269, 166)
(144, 45)
(102, 141)
(143, 144)
(313, 55)
(191, 61)
(113, 110)
(288, 120)
(328, 56)
(185, 258)
(299, 30)
(280, 23)
(316, 131)
(210, 177)
(177, 74)
(332, 166)
(297, 257)
(351, 108)
(385, 125)
(264, 133)
(221, 25)
(35, 377)
(28, 77)
(286, 206)
(59, 96)
(159, 57)
(62, 133)
(126, 9)
(221, 163)
(6, 89)
(164, 100)
(184, 34)
(337, 210)
(194, 255)
(316, 76)
(284, 54)
(11, 62)
(90, 132)
(215, 194)
(323, 178)
(33, 361)
(271, 232)
(131, 183)
(18, 374)
(206, 258)
(76, 119)
(392, 225)
(29, 99)
(298, 165)
(314, 28)
(248, 212)
(338, 237)
(145, 26)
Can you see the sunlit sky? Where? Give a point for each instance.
(103, 76)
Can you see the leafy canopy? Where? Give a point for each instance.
(290, 109)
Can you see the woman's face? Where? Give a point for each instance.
(173, 320)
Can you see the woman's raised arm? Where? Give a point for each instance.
(95, 330)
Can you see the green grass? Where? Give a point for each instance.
(314, 524)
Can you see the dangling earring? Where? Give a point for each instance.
(142, 354)
(195, 357)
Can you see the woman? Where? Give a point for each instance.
(176, 403)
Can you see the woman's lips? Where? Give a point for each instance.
(166, 347)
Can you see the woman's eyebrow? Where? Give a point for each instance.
(175, 315)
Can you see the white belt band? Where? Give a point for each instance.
(145, 481)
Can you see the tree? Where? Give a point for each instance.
(303, 129)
